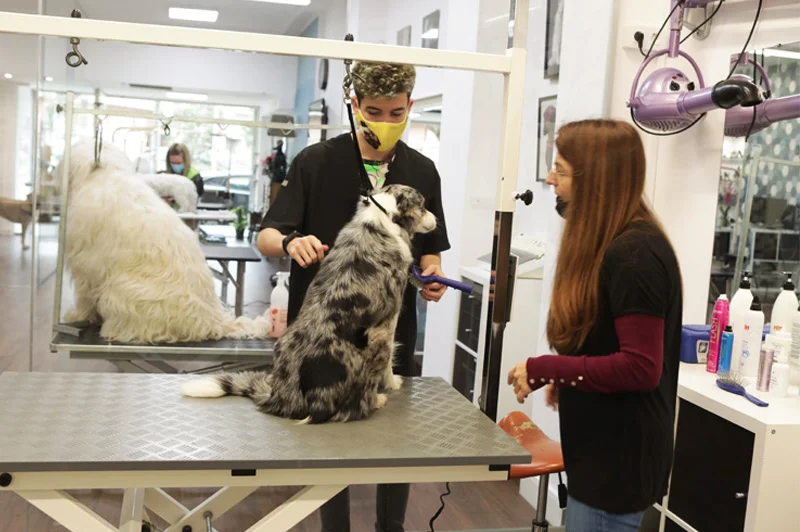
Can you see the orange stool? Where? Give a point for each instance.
(546, 459)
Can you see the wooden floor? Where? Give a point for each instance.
(469, 507)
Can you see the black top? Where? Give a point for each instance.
(319, 196)
(618, 446)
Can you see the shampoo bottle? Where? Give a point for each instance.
(279, 305)
(740, 305)
(794, 355)
(785, 307)
(719, 320)
(779, 383)
(753, 331)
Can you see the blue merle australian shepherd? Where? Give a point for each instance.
(335, 358)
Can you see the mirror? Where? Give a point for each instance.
(757, 228)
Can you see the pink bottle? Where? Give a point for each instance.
(719, 320)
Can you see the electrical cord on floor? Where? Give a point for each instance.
(441, 508)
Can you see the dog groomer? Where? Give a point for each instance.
(179, 161)
(319, 196)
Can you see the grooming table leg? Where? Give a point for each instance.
(224, 265)
(217, 504)
(240, 266)
(132, 514)
(127, 366)
(163, 505)
(162, 366)
(67, 511)
(288, 514)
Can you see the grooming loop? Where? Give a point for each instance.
(98, 138)
(167, 130)
(75, 57)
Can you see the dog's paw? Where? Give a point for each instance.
(380, 402)
(396, 382)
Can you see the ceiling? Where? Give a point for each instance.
(234, 15)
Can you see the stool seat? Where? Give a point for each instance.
(546, 457)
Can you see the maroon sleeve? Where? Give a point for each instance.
(635, 368)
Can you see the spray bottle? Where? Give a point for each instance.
(279, 305)
(740, 305)
(753, 332)
(719, 320)
(785, 306)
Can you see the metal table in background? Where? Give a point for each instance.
(237, 251)
(75, 431)
(228, 354)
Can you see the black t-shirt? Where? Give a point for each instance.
(319, 197)
(618, 446)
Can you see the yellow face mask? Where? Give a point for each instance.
(382, 136)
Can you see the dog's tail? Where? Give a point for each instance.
(253, 384)
(245, 327)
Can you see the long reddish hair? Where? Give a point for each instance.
(608, 180)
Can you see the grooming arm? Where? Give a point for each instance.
(738, 119)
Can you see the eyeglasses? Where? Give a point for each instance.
(557, 173)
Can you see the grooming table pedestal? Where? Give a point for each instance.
(136, 432)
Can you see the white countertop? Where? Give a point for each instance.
(699, 387)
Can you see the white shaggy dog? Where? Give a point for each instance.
(137, 268)
(174, 186)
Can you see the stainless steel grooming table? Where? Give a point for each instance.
(64, 431)
(240, 252)
(226, 353)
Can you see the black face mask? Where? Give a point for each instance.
(561, 207)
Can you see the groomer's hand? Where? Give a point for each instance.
(307, 250)
(433, 291)
(518, 378)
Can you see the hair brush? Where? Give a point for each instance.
(418, 280)
(733, 384)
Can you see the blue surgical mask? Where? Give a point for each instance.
(177, 168)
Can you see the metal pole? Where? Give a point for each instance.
(62, 222)
(164, 35)
(744, 227)
(36, 179)
(499, 293)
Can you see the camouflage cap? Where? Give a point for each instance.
(383, 80)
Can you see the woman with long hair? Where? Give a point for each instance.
(615, 321)
(179, 161)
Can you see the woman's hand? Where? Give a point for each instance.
(518, 377)
(551, 396)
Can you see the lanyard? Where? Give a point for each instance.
(366, 185)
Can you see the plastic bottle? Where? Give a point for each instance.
(719, 320)
(751, 341)
(279, 305)
(740, 305)
(794, 355)
(779, 382)
(725, 351)
(785, 307)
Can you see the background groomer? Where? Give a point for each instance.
(319, 197)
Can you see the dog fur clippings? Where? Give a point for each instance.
(334, 360)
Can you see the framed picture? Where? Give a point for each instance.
(404, 36)
(430, 30)
(552, 46)
(546, 138)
